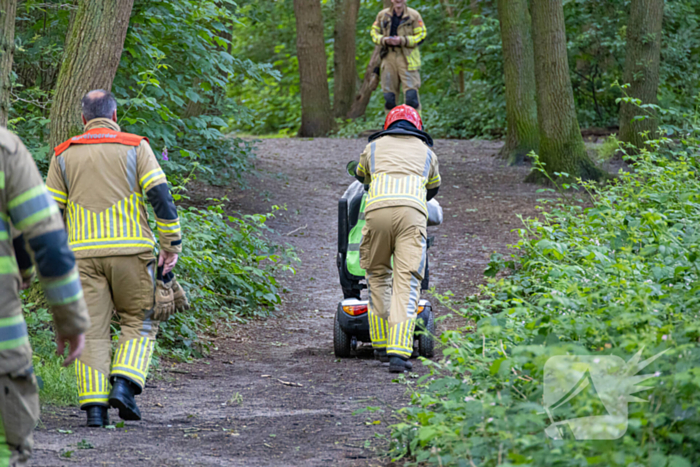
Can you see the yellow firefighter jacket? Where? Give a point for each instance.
(399, 170)
(26, 207)
(99, 180)
(411, 30)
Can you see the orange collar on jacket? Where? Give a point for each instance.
(100, 135)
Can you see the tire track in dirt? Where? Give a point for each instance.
(233, 407)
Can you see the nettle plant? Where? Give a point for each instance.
(609, 273)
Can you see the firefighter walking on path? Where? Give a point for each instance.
(399, 30)
(29, 217)
(100, 180)
(402, 172)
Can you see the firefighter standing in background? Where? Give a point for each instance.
(402, 172)
(399, 30)
(27, 209)
(100, 180)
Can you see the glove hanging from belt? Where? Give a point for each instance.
(170, 297)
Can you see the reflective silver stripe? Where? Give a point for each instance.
(106, 242)
(148, 322)
(373, 148)
(131, 168)
(354, 247)
(428, 160)
(415, 285)
(13, 332)
(361, 217)
(62, 165)
(123, 369)
(32, 206)
(65, 292)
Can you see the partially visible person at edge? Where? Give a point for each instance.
(403, 174)
(399, 30)
(30, 218)
(99, 180)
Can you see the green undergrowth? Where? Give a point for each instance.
(605, 271)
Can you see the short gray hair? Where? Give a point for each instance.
(99, 104)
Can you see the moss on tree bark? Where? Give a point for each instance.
(561, 145)
(519, 70)
(644, 31)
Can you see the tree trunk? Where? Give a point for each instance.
(519, 69)
(642, 70)
(90, 61)
(370, 82)
(8, 10)
(561, 145)
(345, 69)
(316, 116)
(476, 11)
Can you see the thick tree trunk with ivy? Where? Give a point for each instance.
(561, 146)
(519, 70)
(8, 10)
(90, 61)
(316, 116)
(644, 31)
(345, 69)
(370, 82)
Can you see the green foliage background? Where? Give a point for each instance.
(601, 271)
(465, 48)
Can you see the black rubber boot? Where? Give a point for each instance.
(381, 355)
(399, 364)
(121, 397)
(97, 415)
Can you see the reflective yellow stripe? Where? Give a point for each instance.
(151, 177)
(148, 174)
(118, 226)
(133, 359)
(401, 338)
(93, 386)
(58, 196)
(419, 34)
(385, 187)
(376, 34)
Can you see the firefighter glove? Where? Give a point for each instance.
(165, 301)
(181, 303)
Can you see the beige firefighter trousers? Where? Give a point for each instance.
(394, 292)
(19, 413)
(396, 75)
(127, 284)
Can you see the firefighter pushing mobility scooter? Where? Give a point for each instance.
(382, 239)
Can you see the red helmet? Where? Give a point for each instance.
(403, 112)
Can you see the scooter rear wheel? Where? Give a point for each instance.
(426, 343)
(342, 341)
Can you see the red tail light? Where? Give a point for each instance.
(355, 310)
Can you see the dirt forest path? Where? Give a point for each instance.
(233, 408)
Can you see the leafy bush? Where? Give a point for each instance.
(614, 278)
(228, 269)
